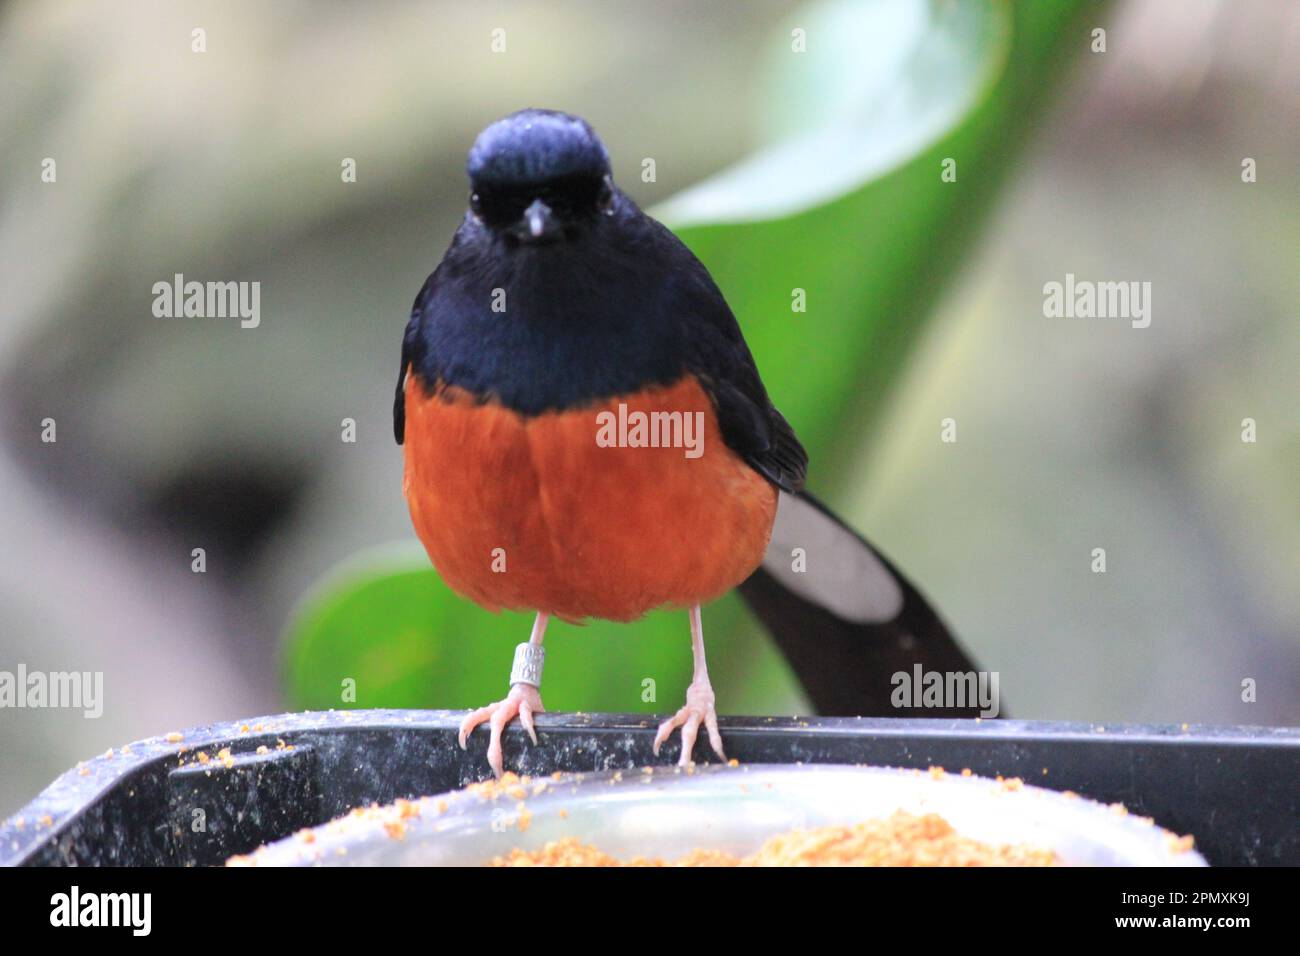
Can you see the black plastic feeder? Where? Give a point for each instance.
(196, 798)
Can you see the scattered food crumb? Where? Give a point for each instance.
(510, 785)
(395, 829)
(901, 840)
(1180, 844)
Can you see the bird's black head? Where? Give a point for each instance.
(539, 176)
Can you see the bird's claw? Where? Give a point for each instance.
(699, 709)
(523, 701)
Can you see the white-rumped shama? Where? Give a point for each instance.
(559, 309)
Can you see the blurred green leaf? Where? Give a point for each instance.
(387, 621)
(881, 82)
(846, 203)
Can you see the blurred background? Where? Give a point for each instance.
(816, 168)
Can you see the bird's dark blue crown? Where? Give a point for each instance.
(536, 146)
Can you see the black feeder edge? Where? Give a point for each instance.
(1236, 789)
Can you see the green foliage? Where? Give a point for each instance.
(846, 203)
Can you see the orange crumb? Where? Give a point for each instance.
(901, 840)
(395, 829)
(510, 785)
(1180, 844)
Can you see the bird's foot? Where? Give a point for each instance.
(523, 701)
(698, 710)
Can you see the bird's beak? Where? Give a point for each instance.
(538, 224)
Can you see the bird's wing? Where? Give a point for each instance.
(716, 353)
(411, 346)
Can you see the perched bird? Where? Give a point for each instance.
(587, 436)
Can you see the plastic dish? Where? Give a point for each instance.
(667, 812)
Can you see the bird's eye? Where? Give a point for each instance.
(605, 201)
(475, 204)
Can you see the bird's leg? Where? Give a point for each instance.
(523, 701)
(699, 703)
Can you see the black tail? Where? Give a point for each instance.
(848, 622)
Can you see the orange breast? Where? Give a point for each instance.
(536, 513)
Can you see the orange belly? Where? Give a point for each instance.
(533, 513)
